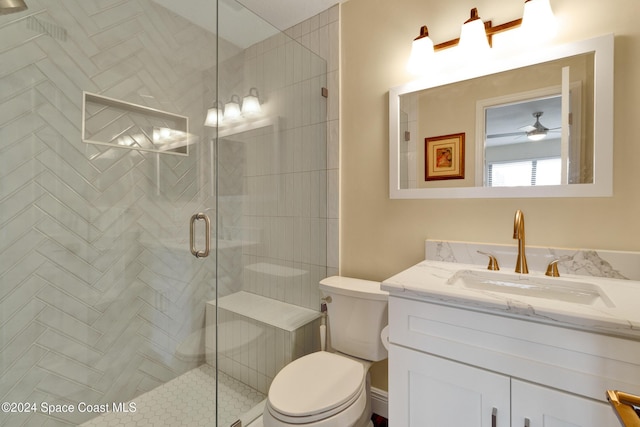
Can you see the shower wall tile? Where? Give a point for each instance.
(98, 289)
(290, 174)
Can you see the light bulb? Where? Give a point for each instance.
(538, 21)
(214, 117)
(473, 36)
(232, 109)
(421, 53)
(251, 104)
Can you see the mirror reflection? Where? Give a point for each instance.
(522, 143)
(513, 125)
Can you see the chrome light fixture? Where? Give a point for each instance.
(232, 110)
(12, 6)
(251, 104)
(214, 116)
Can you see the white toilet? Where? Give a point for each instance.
(326, 389)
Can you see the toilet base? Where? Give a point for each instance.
(258, 423)
(357, 415)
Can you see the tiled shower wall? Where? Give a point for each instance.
(282, 222)
(97, 287)
(321, 35)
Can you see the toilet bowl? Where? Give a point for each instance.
(331, 389)
(320, 389)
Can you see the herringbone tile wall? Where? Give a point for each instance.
(97, 286)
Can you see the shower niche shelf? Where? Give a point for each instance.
(115, 123)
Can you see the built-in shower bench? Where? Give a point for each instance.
(258, 336)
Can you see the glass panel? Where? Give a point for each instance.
(272, 211)
(102, 307)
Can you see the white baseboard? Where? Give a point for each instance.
(380, 402)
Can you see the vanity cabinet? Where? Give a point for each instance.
(432, 391)
(534, 405)
(465, 366)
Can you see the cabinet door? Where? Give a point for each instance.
(544, 407)
(428, 391)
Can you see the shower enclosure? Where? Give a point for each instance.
(109, 180)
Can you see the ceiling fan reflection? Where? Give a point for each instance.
(534, 132)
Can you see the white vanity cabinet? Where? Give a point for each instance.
(458, 366)
(426, 390)
(536, 405)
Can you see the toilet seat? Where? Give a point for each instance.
(316, 387)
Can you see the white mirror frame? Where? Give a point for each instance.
(603, 124)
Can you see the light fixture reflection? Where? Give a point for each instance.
(539, 132)
(232, 110)
(214, 116)
(535, 135)
(163, 136)
(251, 104)
(421, 52)
(473, 36)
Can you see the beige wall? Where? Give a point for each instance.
(379, 236)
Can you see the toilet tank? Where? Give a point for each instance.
(357, 313)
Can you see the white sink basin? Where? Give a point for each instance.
(532, 286)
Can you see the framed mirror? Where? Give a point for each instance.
(533, 124)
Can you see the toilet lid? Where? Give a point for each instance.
(319, 383)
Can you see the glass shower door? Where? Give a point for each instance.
(103, 160)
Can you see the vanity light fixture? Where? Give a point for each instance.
(538, 21)
(538, 24)
(421, 52)
(214, 116)
(251, 104)
(232, 110)
(473, 36)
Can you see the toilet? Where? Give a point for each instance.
(331, 389)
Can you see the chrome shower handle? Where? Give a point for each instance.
(207, 238)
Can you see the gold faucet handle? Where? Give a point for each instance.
(552, 268)
(493, 261)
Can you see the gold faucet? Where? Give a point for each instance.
(518, 233)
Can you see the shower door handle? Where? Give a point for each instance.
(207, 238)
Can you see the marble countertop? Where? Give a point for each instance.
(617, 312)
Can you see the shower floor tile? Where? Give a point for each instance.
(188, 400)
